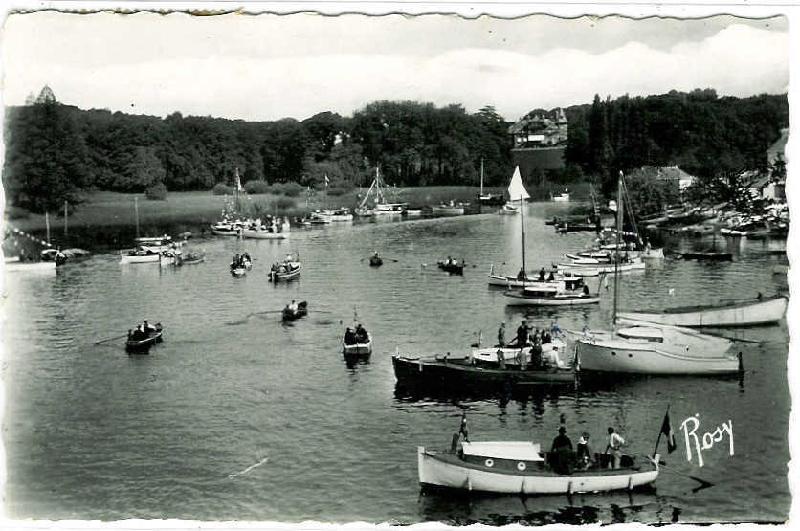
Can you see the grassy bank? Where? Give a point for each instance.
(111, 209)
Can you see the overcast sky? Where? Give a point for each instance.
(268, 67)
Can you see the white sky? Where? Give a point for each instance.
(268, 67)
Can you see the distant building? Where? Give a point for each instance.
(540, 138)
(672, 174)
(762, 186)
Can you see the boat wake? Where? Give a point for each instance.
(248, 469)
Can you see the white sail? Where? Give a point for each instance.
(516, 190)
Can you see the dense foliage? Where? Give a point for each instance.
(55, 151)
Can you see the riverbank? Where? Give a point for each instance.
(113, 209)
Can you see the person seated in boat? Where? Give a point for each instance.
(139, 334)
(583, 452)
(586, 290)
(375, 255)
(130, 334)
(349, 336)
(293, 307)
(551, 277)
(541, 275)
(361, 334)
(148, 327)
(561, 452)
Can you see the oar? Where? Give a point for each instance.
(110, 339)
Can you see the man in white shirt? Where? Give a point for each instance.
(615, 442)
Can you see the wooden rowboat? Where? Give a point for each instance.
(375, 261)
(453, 269)
(292, 315)
(739, 313)
(142, 346)
(292, 272)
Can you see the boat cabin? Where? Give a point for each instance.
(642, 333)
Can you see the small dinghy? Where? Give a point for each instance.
(290, 313)
(745, 312)
(375, 260)
(357, 342)
(140, 340)
(451, 266)
(287, 271)
(141, 255)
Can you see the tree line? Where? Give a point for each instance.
(54, 152)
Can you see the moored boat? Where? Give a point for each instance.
(520, 467)
(550, 294)
(375, 260)
(191, 258)
(508, 209)
(448, 209)
(444, 372)
(739, 313)
(141, 255)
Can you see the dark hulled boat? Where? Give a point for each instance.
(142, 345)
(453, 268)
(441, 371)
(292, 315)
(375, 261)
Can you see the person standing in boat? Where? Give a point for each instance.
(560, 452)
(615, 442)
(522, 336)
(541, 275)
(583, 452)
(521, 275)
(501, 335)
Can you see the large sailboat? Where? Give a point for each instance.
(639, 347)
(381, 206)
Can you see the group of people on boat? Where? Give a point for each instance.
(242, 260)
(524, 336)
(287, 266)
(357, 336)
(141, 332)
(563, 458)
(270, 224)
(453, 262)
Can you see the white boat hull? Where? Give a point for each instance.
(517, 299)
(680, 352)
(358, 349)
(264, 235)
(439, 473)
(516, 357)
(755, 312)
(576, 267)
(140, 259)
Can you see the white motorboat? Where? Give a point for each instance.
(650, 348)
(520, 467)
(549, 294)
(141, 255)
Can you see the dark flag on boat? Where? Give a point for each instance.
(666, 429)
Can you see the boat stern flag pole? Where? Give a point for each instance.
(668, 432)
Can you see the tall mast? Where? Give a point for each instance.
(136, 211)
(616, 247)
(522, 220)
(481, 176)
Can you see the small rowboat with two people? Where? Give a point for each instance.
(522, 468)
(240, 264)
(143, 337)
(287, 271)
(451, 266)
(191, 258)
(294, 311)
(357, 342)
(375, 260)
(745, 312)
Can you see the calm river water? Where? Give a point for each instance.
(91, 433)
